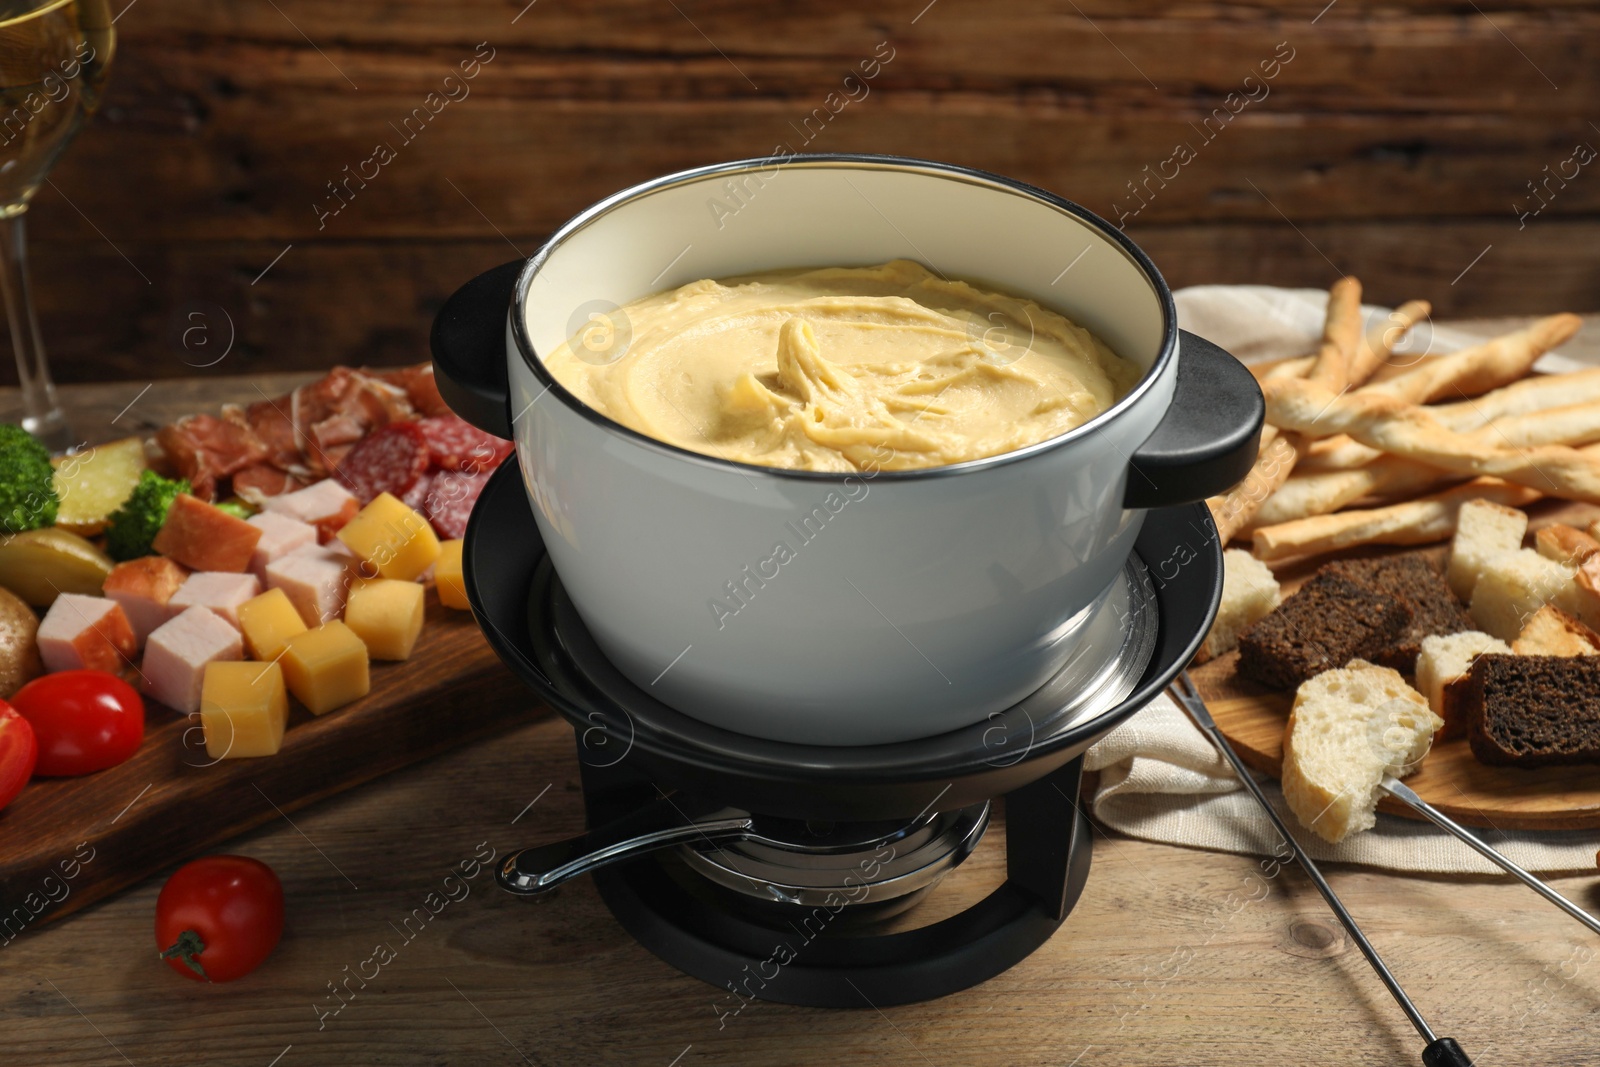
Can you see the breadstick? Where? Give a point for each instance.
(1482, 367)
(1539, 393)
(1376, 347)
(1341, 337)
(1391, 425)
(1320, 492)
(1375, 351)
(1233, 510)
(1278, 454)
(1414, 522)
(1471, 370)
(1526, 397)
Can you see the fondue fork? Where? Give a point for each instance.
(1440, 1051)
(1407, 795)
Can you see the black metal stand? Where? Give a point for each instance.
(813, 956)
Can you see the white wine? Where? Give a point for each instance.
(54, 58)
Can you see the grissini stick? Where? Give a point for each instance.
(1440, 1051)
(1402, 792)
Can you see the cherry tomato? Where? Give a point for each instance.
(18, 753)
(83, 720)
(219, 917)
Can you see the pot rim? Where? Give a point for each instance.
(841, 160)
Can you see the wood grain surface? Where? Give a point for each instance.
(1404, 142)
(1172, 956)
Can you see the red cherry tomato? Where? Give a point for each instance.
(18, 753)
(219, 917)
(83, 720)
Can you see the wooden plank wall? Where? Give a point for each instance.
(1393, 140)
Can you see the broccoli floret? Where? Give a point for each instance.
(27, 483)
(237, 508)
(135, 524)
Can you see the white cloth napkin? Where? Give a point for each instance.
(1161, 780)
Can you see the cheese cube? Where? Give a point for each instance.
(243, 709)
(392, 540)
(268, 622)
(315, 579)
(386, 614)
(448, 577)
(326, 668)
(85, 632)
(176, 655)
(144, 588)
(280, 535)
(221, 591)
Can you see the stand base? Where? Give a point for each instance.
(817, 958)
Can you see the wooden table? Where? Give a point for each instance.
(1172, 956)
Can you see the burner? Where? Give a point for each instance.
(815, 863)
(767, 868)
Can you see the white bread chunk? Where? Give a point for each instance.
(1443, 664)
(1513, 586)
(1565, 544)
(1484, 530)
(1249, 592)
(1583, 600)
(1552, 632)
(1349, 728)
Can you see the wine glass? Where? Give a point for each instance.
(54, 57)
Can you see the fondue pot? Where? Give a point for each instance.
(912, 602)
(763, 798)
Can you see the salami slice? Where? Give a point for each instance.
(416, 498)
(389, 460)
(457, 445)
(450, 500)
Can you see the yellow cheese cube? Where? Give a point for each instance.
(326, 668)
(386, 614)
(243, 709)
(448, 577)
(391, 540)
(268, 621)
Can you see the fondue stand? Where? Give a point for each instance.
(773, 869)
(762, 867)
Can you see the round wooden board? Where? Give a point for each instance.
(1450, 778)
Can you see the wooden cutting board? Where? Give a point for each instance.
(66, 842)
(1450, 778)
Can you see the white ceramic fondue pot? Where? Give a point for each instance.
(825, 608)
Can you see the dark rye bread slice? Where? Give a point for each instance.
(1534, 711)
(1328, 622)
(1414, 582)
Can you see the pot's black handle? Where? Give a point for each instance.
(469, 349)
(1208, 440)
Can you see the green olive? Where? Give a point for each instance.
(39, 564)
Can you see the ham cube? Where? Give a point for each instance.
(85, 632)
(206, 538)
(280, 535)
(221, 591)
(315, 579)
(144, 588)
(327, 505)
(176, 655)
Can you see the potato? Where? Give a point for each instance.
(38, 564)
(94, 483)
(19, 648)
